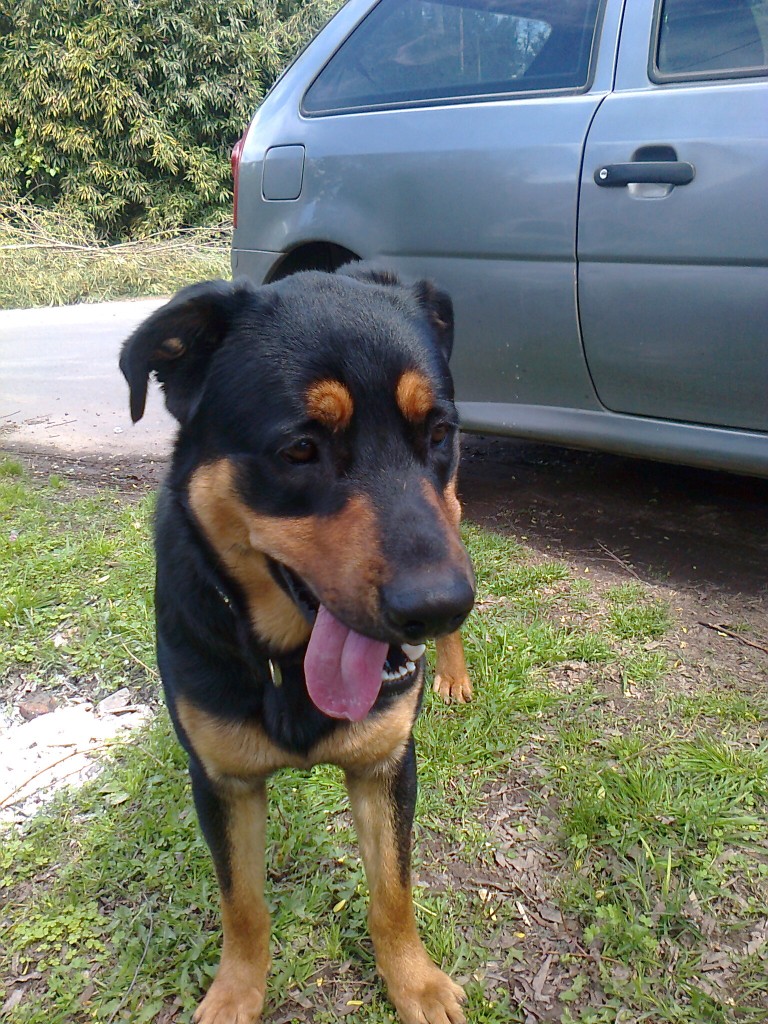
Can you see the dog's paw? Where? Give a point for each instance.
(428, 997)
(453, 689)
(230, 1002)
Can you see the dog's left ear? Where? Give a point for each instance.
(176, 344)
(439, 309)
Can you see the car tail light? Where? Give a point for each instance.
(237, 152)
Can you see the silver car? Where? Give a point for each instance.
(589, 181)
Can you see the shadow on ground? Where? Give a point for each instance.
(689, 528)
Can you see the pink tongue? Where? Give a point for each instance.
(342, 668)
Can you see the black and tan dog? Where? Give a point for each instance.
(307, 546)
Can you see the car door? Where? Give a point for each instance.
(673, 219)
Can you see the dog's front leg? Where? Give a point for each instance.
(452, 680)
(233, 822)
(383, 799)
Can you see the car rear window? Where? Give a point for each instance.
(703, 39)
(410, 52)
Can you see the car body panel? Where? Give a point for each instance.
(659, 326)
(515, 238)
(706, 447)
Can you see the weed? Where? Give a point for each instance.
(10, 468)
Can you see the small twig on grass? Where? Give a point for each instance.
(625, 565)
(8, 801)
(147, 669)
(490, 883)
(64, 246)
(523, 913)
(735, 636)
(586, 955)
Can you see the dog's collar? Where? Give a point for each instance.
(224, 597)
(275, 672)
(274, 663)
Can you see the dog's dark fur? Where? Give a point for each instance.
(315, 464)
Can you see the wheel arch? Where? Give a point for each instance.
(317, 255)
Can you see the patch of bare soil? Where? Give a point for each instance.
(686, 527)
(88, 473)
(541, 956)
(699, 538)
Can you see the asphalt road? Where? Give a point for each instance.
(60, 386)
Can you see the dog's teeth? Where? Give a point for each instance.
(413, 651)
(393, 675)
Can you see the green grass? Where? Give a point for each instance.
(651, 823)
(76, 587)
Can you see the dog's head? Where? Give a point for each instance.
(317, 453)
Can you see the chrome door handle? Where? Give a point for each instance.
(661, 172)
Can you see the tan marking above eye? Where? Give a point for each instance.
(414, 396)
(330, 403)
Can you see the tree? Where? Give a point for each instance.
(128, 109)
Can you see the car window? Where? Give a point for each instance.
(711, 39)
(408, 52)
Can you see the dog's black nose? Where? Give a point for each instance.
(427, 605)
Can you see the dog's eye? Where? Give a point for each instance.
(439, 433)
(301, 451)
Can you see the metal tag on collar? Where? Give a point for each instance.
(275, 673)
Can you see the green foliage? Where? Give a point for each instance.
(128, 109)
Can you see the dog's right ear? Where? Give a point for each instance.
(176, 344)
